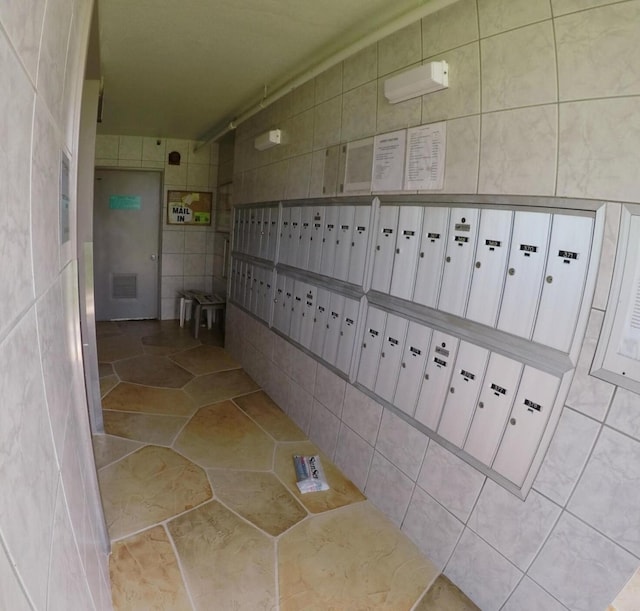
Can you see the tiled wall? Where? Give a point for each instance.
(51, 555)
(544, 99)
(187, 251)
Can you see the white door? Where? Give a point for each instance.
(126, 231)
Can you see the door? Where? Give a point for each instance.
(126, 236)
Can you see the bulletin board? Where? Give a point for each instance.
(189, 207)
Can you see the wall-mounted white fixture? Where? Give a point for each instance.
(268, 140)
(417, 81)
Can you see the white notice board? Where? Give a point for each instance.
(426, 147)
(388, 161)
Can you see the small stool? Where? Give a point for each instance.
(211, 304)
(186, 305)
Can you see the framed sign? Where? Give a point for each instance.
(189, 207)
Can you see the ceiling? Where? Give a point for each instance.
(179, 68)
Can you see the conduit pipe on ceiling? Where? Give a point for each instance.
(218, 131)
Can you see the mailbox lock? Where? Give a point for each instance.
(404, 365)
(512, 421)
(422, 255)
(512, 271)
(426, 376)
(364, 345)
(448, 259)
(549, 279)
(478, 264)
(397, 251)
(452, 390)
(378, 247)
(481, 404)
(382, 355)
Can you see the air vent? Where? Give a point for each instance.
(124, 286)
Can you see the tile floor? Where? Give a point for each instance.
(200, 499)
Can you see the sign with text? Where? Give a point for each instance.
(189, 207)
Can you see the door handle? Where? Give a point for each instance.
(154, 257)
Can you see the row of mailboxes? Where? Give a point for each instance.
(492, 407)
(251, 287)
(522, 272)
(327, 240)
(255, 231)
(322, 321)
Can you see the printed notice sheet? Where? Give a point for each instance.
(388, 161)
(426, 146)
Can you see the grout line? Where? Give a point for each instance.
(180, 566)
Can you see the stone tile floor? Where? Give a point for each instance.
(199, 494)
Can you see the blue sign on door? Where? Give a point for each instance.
(124, 202)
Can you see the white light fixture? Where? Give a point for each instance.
(268, 140)
(417, 81)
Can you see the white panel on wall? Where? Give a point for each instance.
(264, 233)
(435, 228)
(490, 266)
(334, 322)
(273, 234)
(331, 216)
(496, 399)
(343, 242)
(395, 332)
(347, 334)
(237, 229)
(323, 299)
(466, 381)
(308, 314)
(406, 256)
(255, 291)
(279, 303)
(306, 221)
(414, 358)
(527, 257)
(371, 347)
(297, 308)
(357, 259)
(527, 421)
(255, 232)
(385, 248)
(564, 280)
(268, 296)
(461, 244)
(285, 236)
(435, 383)
(294, 234)
(317, 233)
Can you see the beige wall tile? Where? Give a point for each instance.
(518, 151)
(400, 49)
(360, 68)
(359, 112)
(599, 51)
(328, 84)
(450, 27)
(599, 150)
(496, 16)
(519, 68)
(463, 147)
(327, 122)
(561, 7)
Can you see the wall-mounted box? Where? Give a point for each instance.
(617, 358)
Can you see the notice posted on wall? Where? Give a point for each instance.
(189, 207)
(388, 161)
(426, 147)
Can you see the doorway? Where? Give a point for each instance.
(126, 244)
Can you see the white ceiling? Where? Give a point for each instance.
(177, 68)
